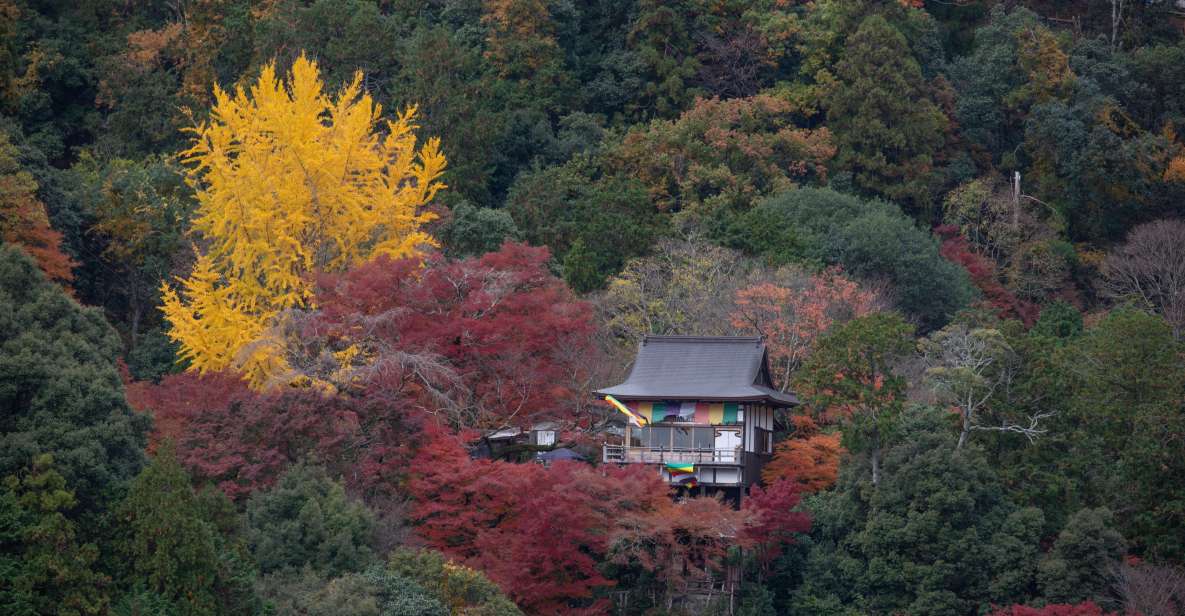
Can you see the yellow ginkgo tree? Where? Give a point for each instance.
(291, 181)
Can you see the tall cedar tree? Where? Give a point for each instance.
(175, 545)
(44, 569)
(291, 182)
(887, 129)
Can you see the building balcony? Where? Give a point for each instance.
(624, 454)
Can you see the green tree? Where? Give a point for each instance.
(461, 589)
(871, 239)
(44, 569)
(306, 519)
(720, 156)
(1058, 320)
(374, 592)
(592, 222)
(993, 84)
(474, 231)
(661, 41)
(887, 129)
(60, 388)
(853, 376)
(1126, 380)
(1080, 567)
(138, 212)
(938, 536)
(176, 544)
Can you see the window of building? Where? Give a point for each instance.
(660, 437)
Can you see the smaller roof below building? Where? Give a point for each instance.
(726, 368)
(563, 453)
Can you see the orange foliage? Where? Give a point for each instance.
(1176, 170)
(791, 320)
(23, 220)
(810, 458)
(145, 47)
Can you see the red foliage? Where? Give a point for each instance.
(1081, 609)
(513, 333)
(457, 497)
(180, 397)
(983, 274)
(240, 440)
(43, 243)
(500, 329)
(546, 552)
(679, 542)
(246, 446)
(538, 532)
(772, 520)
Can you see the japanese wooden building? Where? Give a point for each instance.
(703, 411)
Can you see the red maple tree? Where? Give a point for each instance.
(505, 336)
(538, 532)
(773, 522)
(984, 276)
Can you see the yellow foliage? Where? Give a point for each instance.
(289, 183)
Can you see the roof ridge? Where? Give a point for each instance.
(681, 338)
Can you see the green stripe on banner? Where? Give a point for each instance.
(660, 412)
(730, 412)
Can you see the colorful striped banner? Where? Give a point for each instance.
(713, 413)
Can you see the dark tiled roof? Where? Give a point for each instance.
(700, 368)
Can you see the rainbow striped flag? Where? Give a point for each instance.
(682, 473)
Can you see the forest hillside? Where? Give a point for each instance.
(303, 305)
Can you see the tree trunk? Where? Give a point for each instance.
(1116, 19)
(965, 432)
(876, 465)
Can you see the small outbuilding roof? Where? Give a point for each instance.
(725, 368)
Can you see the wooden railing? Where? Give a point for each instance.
(646, 455)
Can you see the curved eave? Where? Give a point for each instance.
(780, 400)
